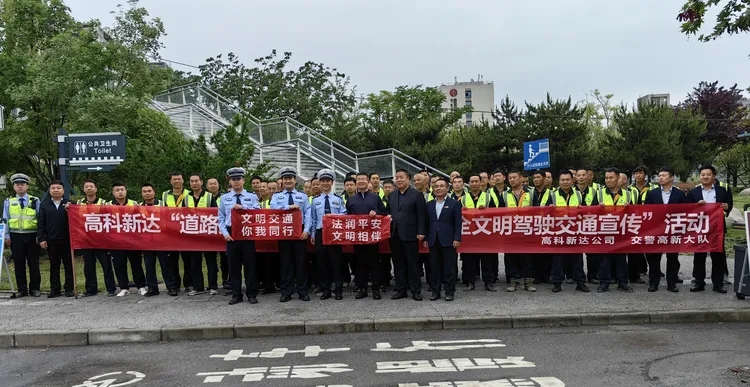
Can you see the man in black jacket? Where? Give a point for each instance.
(406, 206)
(710, 191)
(54, 236)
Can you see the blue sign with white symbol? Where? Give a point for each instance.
(536, 154)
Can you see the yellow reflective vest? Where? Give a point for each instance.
(621, 198)
(524, 201)
(204, 201)
(128, 203)
(169, 200)
(468, 202)
(574, 199)
(22, 220)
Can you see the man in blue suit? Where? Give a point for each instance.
(710, 191)
(666, 194)
(443, 238)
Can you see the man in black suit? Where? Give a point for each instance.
(443, 237)
(53, 235)
(666, 194)
(406, 206)
(710, 191)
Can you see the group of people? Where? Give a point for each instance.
(424, 210)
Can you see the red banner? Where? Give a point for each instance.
(631, 229)
(269, 225)
(355, 229)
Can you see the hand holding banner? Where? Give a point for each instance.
(355, 229)
(266, 224)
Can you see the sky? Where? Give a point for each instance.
(527, 48)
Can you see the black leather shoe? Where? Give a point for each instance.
(151, 293)
(489, 288)
(172, 292)
(469, 287)
(399, 296)
(449, 297)
(35, 293)
(338, 297)
(418, 297)
(697, 288)
(89, 294)
(70, 294)
(625, 288)
(235, 300)
(268, 290)
(326, 295)
(680, 280)
(719, 289)
(376, 295)
(637, 281)
(383, 289)
(304, 298)
(54, 294)
(285, 298)
(435, 296)
(362, 294)
(556, 288)
(673, 289)
(20, 294)
(252, 300)
(602, 290)
(652, 288)
(582, 288)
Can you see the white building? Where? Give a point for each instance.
(479, 95)
(654, 99)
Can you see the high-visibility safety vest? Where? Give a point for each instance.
(634, 194)
(265, 203)
(468, 202)
(588, 198)
(157, 203)
(559, 200)
(22, 220)
(128, 203)
(204, 201)
(621, 199)
(596, 186)
(643, 191)
(169, 200)
(523, 201)
(218, 201)
(545, 196)
(99, 202)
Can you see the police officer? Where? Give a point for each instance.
(293, 252)
(329, 256)
(241, 253)
(22, 213)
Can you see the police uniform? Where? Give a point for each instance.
(21, 214)
(241, 253)
(329, 256)
(619, 198)
(268, 263)
(169, 199)
(150, 258)
(120, 259)
(560, 262)
(293, 252)
(91, 256)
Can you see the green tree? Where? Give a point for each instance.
(695, 151)
(733, 18)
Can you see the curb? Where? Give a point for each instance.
(46, 338)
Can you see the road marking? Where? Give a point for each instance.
(309, 351)
(531, 382)
(451, 365)
(449, 345)
(94, 382)
(257, 374)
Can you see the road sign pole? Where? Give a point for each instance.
(62, 161)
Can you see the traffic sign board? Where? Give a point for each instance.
(96, 149)
(536, 154)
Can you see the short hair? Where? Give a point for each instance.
(144, 185)
(175, 173)
(709, 167)
(371, 175)
(514, 170)
(255, 177)
(212, 178)
(195, 174)
(668, 170)
(498, 171)
(443, 179)
(538, 172)
(388, 181)
(612, 170)
(458, 177)
(118, 184)
(55, 182)
(404, 171)
(314, 178)
(475, 174)
(90, 181)
(641, 168)
(481, 172)
(349, 178)
(565, 172)
(364, 174)
(589, 168)
(351, 174)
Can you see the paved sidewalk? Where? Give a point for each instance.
(133, 311)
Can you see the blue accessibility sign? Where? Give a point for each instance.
(536, 154)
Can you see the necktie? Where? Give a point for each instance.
(237, 200)
(22, 200)
(327, 206)
(291, 198)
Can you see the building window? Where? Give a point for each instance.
(468, 122)
(468, 115)
(468, 102)
(467, 93)
(454, 103)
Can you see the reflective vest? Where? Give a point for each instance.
(574, 200)
(621, 199)
(643, 191)
(22, 220)
(596, 186)
(265, 203)
(468, 202)
(634, 194)
(381, 193)
(427, 197)
(589, 197)
(99, 201)
(157, 203)
(218, 201)
(204, 201)
(525, 199)
(128, 203)
(169, 200)
(545, 196)
(494, 196)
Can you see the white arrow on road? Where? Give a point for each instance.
(94, 168)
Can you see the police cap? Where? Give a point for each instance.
(287, 172)
(326, 173)
(235, 172)
(19, 178)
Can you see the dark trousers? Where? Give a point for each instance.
(196, 267)
(443, 262)
(59, 252)
(224, 267)
(718, 267)
(541, 266)
(90, 257)
(637, 263)
(368, 264)
(424, 262)
(293, 267)
(518, 266)
(268, 270)
(312, 268)
(406, 264)
(25, 251)
(593, 261)
(495, 263)
(120, 259)
(559, 264)
(329, 265)
(387, 269)
(471, 262)
(174, 263)
(150, 258)
(348, 267)
(241, 256)
(619, 262)
(654, 268)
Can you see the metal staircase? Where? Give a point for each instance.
(197, 110)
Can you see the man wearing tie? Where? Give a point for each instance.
(443, 238)
(293, 252)
(329, 256)
(667, 194)
(406, 206)
(241, 254)
(21, 213)
(710, 191)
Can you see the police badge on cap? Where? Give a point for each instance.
(236, 172)
(19, 178)
(287, 172)
(325, 174)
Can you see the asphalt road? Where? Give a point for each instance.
(664, 355)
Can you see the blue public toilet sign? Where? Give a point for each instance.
(536, 154)
(95, 151)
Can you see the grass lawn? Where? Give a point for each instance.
(736, 235)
